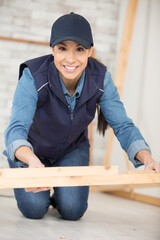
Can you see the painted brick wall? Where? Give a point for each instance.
(32, 19)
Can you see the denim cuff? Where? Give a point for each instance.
(134, 148)
(10, 151)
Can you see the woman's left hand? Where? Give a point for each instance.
(153, 166)
(150, 164)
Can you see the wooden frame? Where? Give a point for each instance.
(121, 69)
(74, 176)
(122, 190)
(24, 40)
(137, 197)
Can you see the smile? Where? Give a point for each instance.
(69, 68)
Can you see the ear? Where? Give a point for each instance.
(90, 51)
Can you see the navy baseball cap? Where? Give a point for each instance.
(71, 27)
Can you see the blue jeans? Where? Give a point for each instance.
(71, 202)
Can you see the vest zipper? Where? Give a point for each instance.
(65, 139)
(71, 114)
(71, 117)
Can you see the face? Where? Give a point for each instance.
(70, 59)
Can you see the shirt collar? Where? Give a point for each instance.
(78, 88)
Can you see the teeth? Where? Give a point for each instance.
(70, 68)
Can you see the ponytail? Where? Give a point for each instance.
(102, 123)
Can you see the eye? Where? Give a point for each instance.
(62, 48)
(80, 49)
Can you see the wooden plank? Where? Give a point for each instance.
(137, 197)
(55, 176)
(71, 176)
(127, 161)
(57, 171)
(110, 188)
(24, 40)
(121, 68)
(125, 45)
(146, 199)
(139, 172)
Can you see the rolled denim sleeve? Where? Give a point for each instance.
(22, 113)
(134, 148)
(129, 136)
(10, 151)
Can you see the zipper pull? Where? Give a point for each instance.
(71, 116)
(71, 113)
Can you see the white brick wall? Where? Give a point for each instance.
(32, 19)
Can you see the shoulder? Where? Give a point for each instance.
(27, 82)
(26, 73)
(26, 77)
(110, 89)
(36, 65)
(107, 78)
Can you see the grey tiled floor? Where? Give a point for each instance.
(107, 218)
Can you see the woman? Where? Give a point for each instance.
(54, 103)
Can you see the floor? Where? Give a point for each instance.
(108, 218)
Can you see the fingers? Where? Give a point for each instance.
(41, 165)
(107, 167)
(149, 168)
(157, 167)
(153, 166)
(38, 164)
(37, 189)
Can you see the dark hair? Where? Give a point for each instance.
(102, 123)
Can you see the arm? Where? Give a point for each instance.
(16, 134)
(26, 155)
(126, 132)
(22, 113)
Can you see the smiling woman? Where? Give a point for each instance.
(70, 59)
(54, 102)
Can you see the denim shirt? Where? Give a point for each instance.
(24, 107)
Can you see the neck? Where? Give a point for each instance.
(71, 88)
(70, 84)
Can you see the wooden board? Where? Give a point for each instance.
(72, 176)
(138, 197)
(20, 40)
(121, 69)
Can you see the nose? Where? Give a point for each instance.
(70, 57)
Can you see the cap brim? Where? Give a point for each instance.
(78, 40)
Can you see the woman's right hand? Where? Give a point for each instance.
(26, 155)
(36, 163)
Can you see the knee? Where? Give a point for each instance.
(33, 212)
(71, 211)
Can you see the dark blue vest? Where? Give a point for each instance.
(55, 131)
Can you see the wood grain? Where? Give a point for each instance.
(73, 176)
